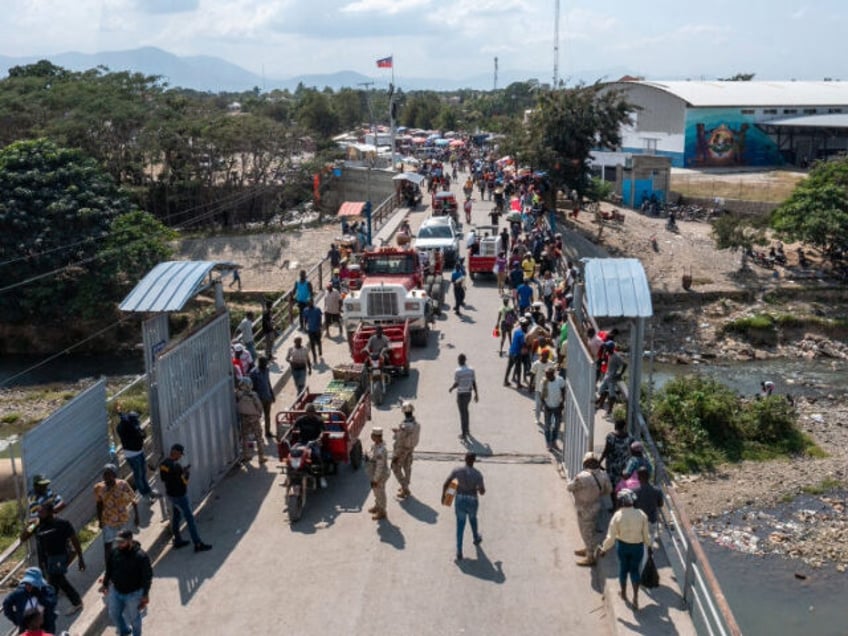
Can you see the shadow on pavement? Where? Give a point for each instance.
(419, 510)
(391, 534)
(474, 445)
(482, 568)
(191, 570)
(346, 492)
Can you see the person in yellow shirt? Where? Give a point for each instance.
(628, 531)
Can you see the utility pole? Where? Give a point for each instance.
(367, 90)
(496, 74)
(556, 44)
(369, 161)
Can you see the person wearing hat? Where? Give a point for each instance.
(628, 532)
(407, 435)
(42, 493)
(242, 357)
(126, 583)
(636, 461)
(589, 487)
(470, 484)
(175, 477)
(377, 469)
(261, 379)
(114, 497)
(332, 309)
(51, 538)
(33, 592)
(250, 410)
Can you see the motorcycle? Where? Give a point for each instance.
(303, 468)
(377, 378)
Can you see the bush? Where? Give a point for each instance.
(700, 422)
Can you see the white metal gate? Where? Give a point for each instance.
(70, 447)
(579, 416)
(196, 403)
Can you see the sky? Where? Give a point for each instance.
(659, 39)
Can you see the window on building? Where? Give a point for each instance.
(649, 145)
(769, 111)
(790, 111)
(834, 110)
(810, 111)
(747, 111)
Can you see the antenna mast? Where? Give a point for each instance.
(496, 74)
(556, 44)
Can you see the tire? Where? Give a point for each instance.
(377, 393)
(295, 506)
(356, 455)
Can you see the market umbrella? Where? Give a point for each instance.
(441, 142)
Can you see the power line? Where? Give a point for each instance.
(9, 380)
(105, 253)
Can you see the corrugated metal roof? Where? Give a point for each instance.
(617, 288)
(169, 286)
(833, 120)
(716, 94)
(351, 208)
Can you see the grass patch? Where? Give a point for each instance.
(775, 186)
(826, 485)
(700, 423)
(747, 323)
(135, 399)
(11, 418)
(10, 524)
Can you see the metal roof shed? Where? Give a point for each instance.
(618, 288)
(171, 285)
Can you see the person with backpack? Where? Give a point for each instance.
(132, 442)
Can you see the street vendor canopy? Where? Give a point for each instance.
(351, 208)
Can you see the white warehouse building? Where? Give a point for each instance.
(727, 123)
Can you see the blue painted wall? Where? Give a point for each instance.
(642, 188)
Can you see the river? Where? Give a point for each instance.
(66, 368)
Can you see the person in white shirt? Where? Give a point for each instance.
(537, 370)
(245, 330)
(628, 531)
(553, 398)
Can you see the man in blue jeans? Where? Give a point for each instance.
(126, 584)
(469, 486)
(175, 477)
(132, 441)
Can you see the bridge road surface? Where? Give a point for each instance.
(338, 572)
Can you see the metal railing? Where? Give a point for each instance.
(700, 588)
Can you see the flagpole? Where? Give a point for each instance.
(392, 113)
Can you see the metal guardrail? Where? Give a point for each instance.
(702, 593)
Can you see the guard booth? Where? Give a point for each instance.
(612, 288)
(190, 377)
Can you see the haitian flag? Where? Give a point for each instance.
(385, 62)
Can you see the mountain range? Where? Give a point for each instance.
(213, 74)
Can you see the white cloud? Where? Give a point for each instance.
(385, 7)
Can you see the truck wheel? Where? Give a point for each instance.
(356, 455)
(295, 507)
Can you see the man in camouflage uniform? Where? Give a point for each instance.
(249, 408)
(377, 469)
(589, 487)
(406, 439)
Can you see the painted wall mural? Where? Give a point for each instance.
(726, 137)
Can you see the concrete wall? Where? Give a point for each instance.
(353, 185)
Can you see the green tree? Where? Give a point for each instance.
(315, 113)
(817, 210)
(564, 129)
(68, 234)
(739, 234)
